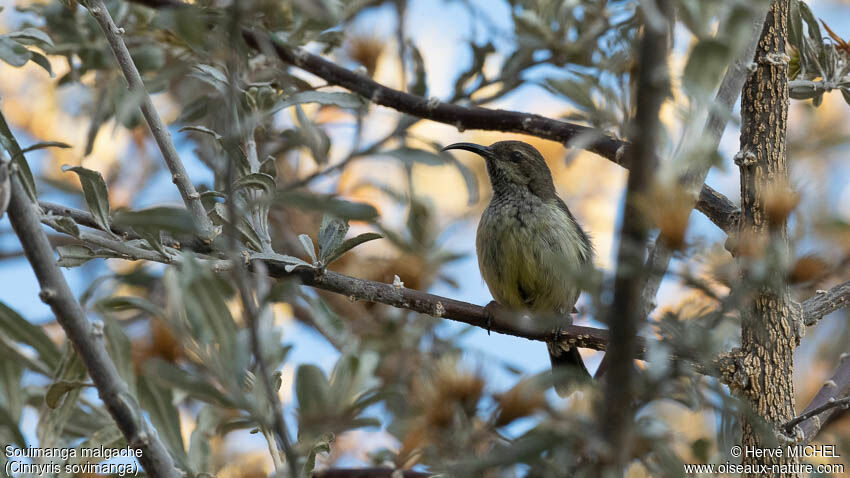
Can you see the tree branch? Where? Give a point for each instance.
(85, 336)
(825, 302)
(832, 391)
(624, 316)
(719, 209)
(711, 203)
(437, 306)
(179, 176)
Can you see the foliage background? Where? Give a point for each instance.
(427, 203)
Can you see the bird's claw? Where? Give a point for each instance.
(490, 309)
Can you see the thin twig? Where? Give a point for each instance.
(179, 176)
(86, 338)
(837, 386)
(830, 404)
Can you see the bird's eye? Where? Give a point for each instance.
(516, 156)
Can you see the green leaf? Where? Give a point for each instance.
(120, 303)
(339, 99)
(812, 24)
(11, 390)
(209, 419)
(120, 351)
(312, 390)
(220, 215)
(323, 445)
(314, 137)
(706, 63)
(795, 25)
(95, 192)
(22, 331)
(10, 424)
(259, 181)
(109, 436)
(33, 35)
(352, 243)
(76, 255)
(212, 76)
(170, 375)
(159, 218)
(202, 129)
(52, 422)
(308, 246)
(13, 52)
(59, 389)
(290, 262)
(329, 204)
(7, 140)
(158, 402)
(42, 61)
(331, 234)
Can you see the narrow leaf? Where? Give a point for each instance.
(352, 243)
(95, 192)
(308, 246)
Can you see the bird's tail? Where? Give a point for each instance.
(567, 367)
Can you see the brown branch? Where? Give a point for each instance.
(834, 389)
(437, 306)
(86, 338)
(719, 209)
(625, 315)
(369, 473)
(824, 303)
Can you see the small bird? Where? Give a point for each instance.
(531, 251)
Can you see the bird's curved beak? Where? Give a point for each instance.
(478, 149)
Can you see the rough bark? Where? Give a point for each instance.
(768, 332)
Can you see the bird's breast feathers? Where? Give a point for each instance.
(530, 254)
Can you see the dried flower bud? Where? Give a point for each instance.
(524, 399)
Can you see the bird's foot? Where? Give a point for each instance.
(493, 310)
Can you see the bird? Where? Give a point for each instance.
(531, 250)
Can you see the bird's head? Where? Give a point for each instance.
(512, 164)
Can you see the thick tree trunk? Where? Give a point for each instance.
(768, 334)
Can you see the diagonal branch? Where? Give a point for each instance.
(84, 335)
(624, 316)
(719, 209)
(158, 129)
(825, 302)
(818, 411)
